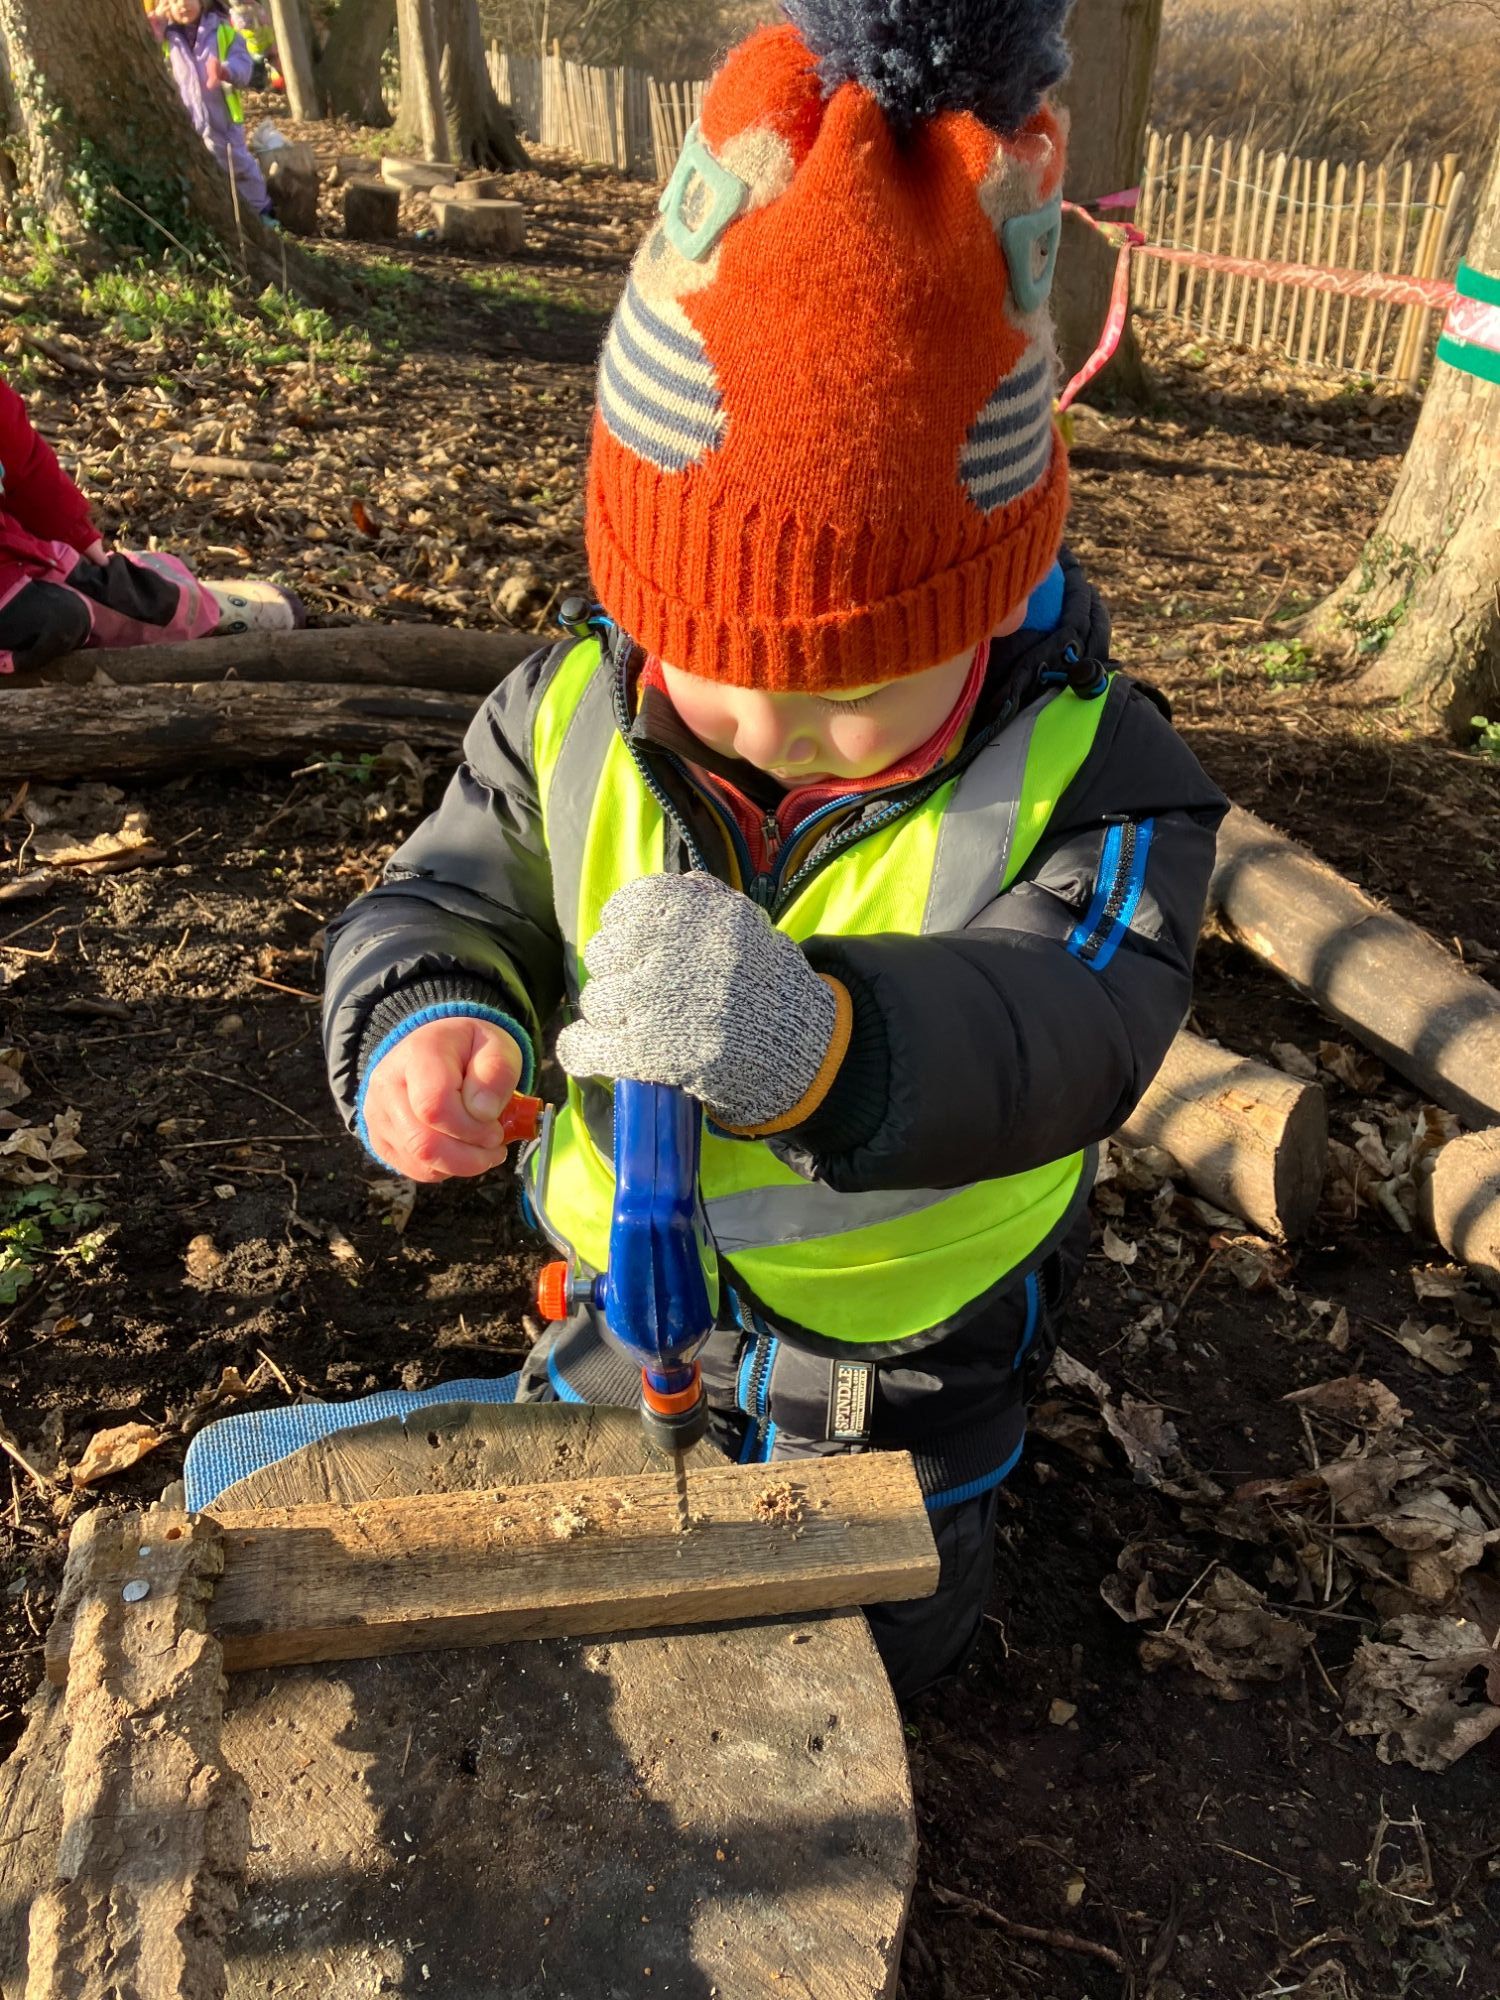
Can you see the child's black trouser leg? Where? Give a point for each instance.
(40, 623)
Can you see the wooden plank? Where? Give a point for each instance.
(1320, 212)
(1387, 980)
(1200, 214)
(1226, 169)
(1397, 264)
(155, 1830)
(1252, 238)
(1267, 241)
(550, 1561)
(1179, 220)
(1377, 251)
(1300, 299)
(1351, 260)
(1237, 237)
(1335, 225)
(1278, 297)
(1147, 267)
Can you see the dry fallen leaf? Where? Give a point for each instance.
(115, 1450)
(1442, 1348)
(1360, 1073)
(1228, 1637)
(1116, 1249)
(1428, 1690)
(392, 1198)
(1357, 1399)
(1296, 1062)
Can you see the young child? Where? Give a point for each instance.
(211, 66)
(838, 817)
(61, 588)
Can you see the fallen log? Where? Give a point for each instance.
(1462, 1203)
(1388, 981)
(154, 732)
(418, 656)
(227, 468)
(155, 1829)
(1249, 1138)
(559, 1560)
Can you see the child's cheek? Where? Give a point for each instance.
(860, 742)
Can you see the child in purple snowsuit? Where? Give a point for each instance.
(211, 66)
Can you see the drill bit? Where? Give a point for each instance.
(679, 1470)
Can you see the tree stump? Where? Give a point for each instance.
(483, 187)
(490, 227)
(677, 1813)
(372, 211)
(293, 179)
(422, 175)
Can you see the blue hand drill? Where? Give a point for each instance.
(659, 1295)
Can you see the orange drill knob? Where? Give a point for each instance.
(520, 1118)
(552, 1292)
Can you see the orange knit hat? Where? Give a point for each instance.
(824, 453)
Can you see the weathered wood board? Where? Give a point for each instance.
(728, 1807)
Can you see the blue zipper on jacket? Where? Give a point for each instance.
(753, 1391)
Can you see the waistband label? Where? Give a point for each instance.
(851, 1398)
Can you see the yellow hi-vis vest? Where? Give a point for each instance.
(234, 104)
(883, 1267)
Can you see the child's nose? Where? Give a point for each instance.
(770, 738)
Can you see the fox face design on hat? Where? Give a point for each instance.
(824, 453)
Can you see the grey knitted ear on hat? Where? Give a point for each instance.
(996, 58)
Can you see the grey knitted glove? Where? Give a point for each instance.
(691, 984)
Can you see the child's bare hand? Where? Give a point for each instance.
(433, 1104)
(213, 73)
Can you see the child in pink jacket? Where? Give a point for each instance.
(61, 588)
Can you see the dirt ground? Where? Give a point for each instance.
(1171, 1806)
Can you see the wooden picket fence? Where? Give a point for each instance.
(619, 117)
(1205, 194)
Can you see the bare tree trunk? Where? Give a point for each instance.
(1423, 601)
(295, 57)
(480, 130)
(421, 122)
(1108, 95)
(103, 150)
(349, 67)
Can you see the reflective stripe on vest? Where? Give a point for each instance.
(883, 1266)
(234, 104)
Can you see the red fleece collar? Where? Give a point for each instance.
(799, 804)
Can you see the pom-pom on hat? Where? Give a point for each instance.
(824, 453)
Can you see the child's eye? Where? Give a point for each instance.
(845, 704)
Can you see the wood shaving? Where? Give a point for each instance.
(779, 1503)
(568, 1524)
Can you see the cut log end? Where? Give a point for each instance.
(1463, 1203)
(1249, 1138)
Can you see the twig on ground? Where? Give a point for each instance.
(1033, 1933)
(276, 986)
(38, 1478)
(238, 1083)
(248, 1139)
